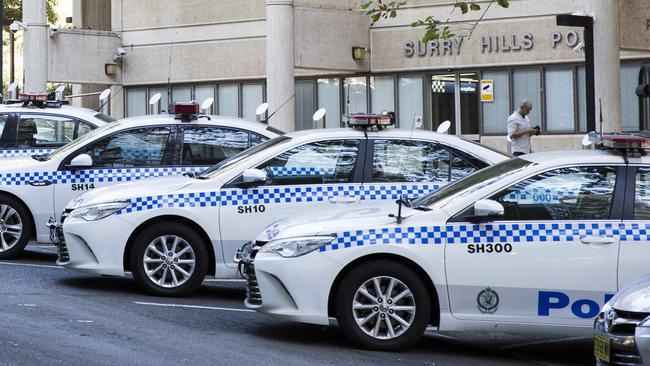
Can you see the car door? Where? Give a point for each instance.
(634, 254)
(123, 156)
(551, 258)
(311, 178)
(410, 168)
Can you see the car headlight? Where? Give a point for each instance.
(98, 211)
(295, 247)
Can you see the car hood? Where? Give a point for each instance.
(21, 164)
(634, 298)
(330, 222)
(131, 190)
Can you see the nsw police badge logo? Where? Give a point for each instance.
(488, 301)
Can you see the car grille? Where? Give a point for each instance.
(626, 322)
(253, 294)
(623, 348)
(64, 256)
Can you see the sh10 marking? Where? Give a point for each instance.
(251, 209)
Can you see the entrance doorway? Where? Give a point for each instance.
(455, 98)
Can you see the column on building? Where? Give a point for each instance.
(607, 46)
(35, 46)
(280, 43)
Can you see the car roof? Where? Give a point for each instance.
(84, 113)
(223, 121)
(562, 157)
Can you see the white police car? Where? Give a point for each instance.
(538, 243)
(33, 189)
(35, 125)
(171, 233)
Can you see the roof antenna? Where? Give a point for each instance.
(280, 107)
(600, 102)
(169, 78)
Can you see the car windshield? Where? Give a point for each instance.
(474, 181)
(64, 150)
(244, 154)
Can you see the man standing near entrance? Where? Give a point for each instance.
(519, 129)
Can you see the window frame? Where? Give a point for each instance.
(616, 210)
(170, 149)
(359, 165)
(77, 121)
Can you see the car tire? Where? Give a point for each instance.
(175, 273)
(349, 294)
(14, 218)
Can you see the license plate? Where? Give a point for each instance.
(602, 347)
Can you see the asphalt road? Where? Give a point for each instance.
(49, 315)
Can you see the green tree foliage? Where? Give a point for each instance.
(14, 11)
(434, 28)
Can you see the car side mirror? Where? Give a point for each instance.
(81, 161)
(252, 178)
(487, 210)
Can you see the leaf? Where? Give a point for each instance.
(474, 7)
(503, 3)
(375, 17)
(393, 14)
(462, 6)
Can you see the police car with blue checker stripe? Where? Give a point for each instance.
(534, 244)
(171, 233)
(36, 188)
(36, 125)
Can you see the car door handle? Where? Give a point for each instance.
(40, 183)
(343, 199)
(600, 240)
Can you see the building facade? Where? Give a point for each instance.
(195, 49)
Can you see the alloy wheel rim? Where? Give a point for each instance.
(383, 307)
(11, 227)
(169, 261)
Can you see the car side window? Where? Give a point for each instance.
(142, 147)
(322, 162)
(206, 145)
(83, 128)
(575, 193)
(464, 164)
(409, 161)
(3, 121)
(642, 195)
(44, 131)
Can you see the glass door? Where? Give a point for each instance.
(455, 98)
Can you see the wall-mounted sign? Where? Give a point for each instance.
(487, 90)
(418, 121)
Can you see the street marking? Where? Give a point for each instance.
(193, 307)
(85, 321)
(223, 280)
(30, 265)
(547, 341)
(28, 305)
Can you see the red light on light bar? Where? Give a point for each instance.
(625, 138)
(371, 119)
(39, 97)
(186, 108)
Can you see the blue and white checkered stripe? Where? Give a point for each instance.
(23, 152)
(278, 195)
(490, 233)
(301, 171)
(94, 176)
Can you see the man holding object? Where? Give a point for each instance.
(519, 129)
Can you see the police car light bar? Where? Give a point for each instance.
(621, 141)
(186, 112)
(33, 97)
(369, 120)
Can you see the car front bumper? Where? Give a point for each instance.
(622, 345)
(94, 246)
(295, 289)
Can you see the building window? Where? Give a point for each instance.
(304, 105)
(228, 100)
(203, 92)
(526, 85)
(410, 100)
(629, 100)
(581, 86)
(496, 113)
(560, 102)
(181, 94)
(252, 97)
(355, 95)
(136, 102)
(164, 97)
(382, 94)
(329, 98)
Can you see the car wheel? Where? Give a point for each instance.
(169, 259)
(383, 305)
(15, 227)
